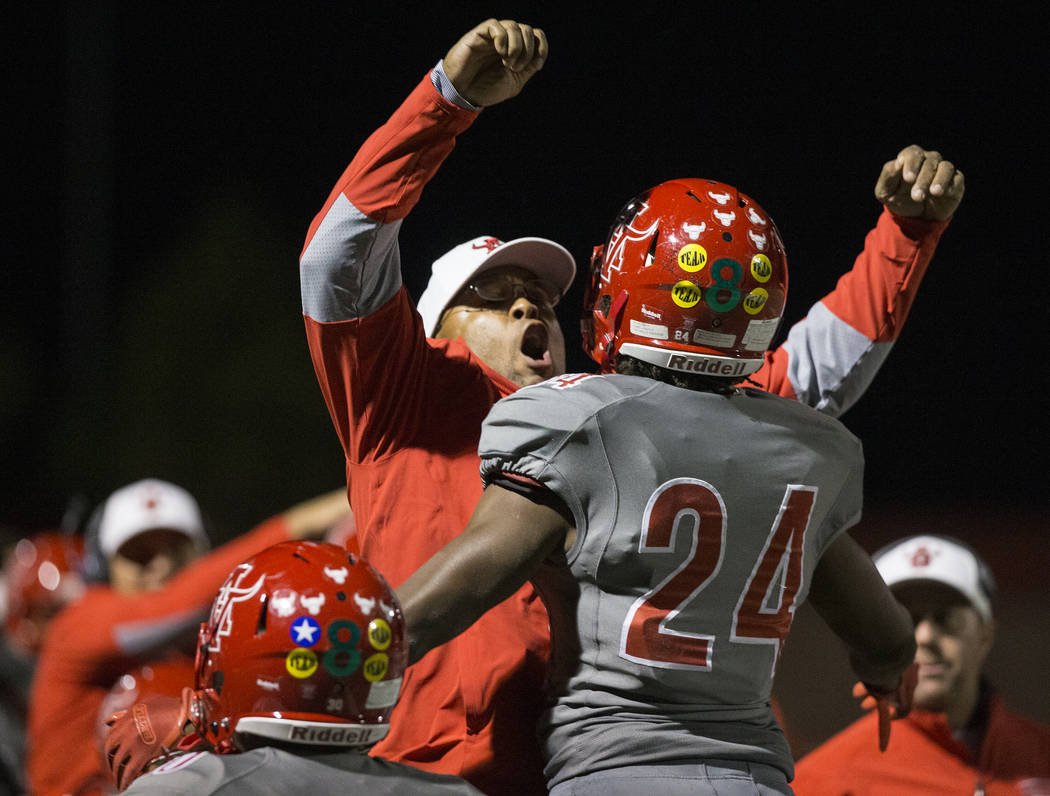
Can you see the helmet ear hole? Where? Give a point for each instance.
(260, 626)
(605, 304)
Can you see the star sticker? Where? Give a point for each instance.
(304, 631)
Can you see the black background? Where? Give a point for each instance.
(169, 159)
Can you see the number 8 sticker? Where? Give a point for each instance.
(720, 283)
(348, 648)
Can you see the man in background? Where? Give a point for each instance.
(959, 737)
(160, 580)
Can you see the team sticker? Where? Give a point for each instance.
(724, 293)
(342, 658)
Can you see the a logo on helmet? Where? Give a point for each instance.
(339, 575)
(761, 268)
(755, 218)
(231, 593)
(618, 240)
(364, 604)
(755, 301)
(726, 218)
(758, 238)
(312, 604)
(694, 230)
(685, 294)
(692, 257)
(721, 198)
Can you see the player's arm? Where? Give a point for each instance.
(507, 538)
(831, 357)
(360, 323)
(850, 595)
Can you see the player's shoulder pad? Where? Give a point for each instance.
(537, 416)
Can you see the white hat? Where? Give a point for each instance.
(940, 559)
(146, 505)
(545, 258)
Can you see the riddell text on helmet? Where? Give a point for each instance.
(708, 366)
(349, 736)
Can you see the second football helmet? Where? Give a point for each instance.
(693, 277)
(305, 644)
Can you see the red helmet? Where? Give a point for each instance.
(693, 277)
(305, 644)
(41, 575)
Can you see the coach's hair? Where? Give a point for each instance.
(701, 382)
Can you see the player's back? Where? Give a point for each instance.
(700, 519)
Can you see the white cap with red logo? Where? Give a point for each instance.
(452, 270)
(940, 559)
(147, 505)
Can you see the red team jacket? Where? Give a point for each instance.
(408, 411)
(99, 638)
(924, 758)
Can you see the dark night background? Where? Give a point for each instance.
(169, 159)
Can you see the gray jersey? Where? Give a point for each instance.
(273, 771)
(700, 519)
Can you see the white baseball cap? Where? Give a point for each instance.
(941, 559)
(148, 505)
(452, 270)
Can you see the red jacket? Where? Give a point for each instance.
(924, 758)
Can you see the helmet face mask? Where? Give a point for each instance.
(305, 644)
(693, 277)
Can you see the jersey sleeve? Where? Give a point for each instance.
(831, 356)
(366, 340)
(524, 433)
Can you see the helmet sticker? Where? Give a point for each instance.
(724, 293)
(759, 333)
(685, 294)
(282, 602)
(312, 604)
(654, 331)
(756, 300)
(375, 667)
(758, 238)
(305, 631)
(651, 313)
(343, 658)
(755, 218)
(364, 604)
(713, 339)
(721, 198)
(339, 575)
(232, 592)
(379, 634)
(301, 663)
(726, 218)
(382, 694)
(694, 230)
(761, 268)
(692, 257)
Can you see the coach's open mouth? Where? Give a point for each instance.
(534, 346)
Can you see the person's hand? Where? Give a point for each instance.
(495, 60)
(919, 183)
(891, 704)
(145, 733)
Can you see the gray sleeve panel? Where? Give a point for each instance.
(136, 638)
(831, 364)
(352, 266)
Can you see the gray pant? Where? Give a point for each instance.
(712, 778)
